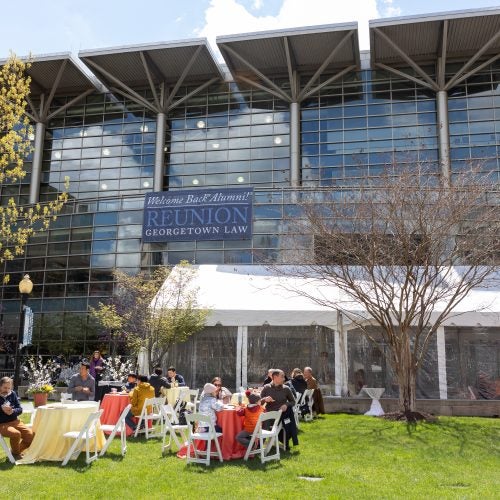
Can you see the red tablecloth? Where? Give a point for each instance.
(231, 423)
(113, 405)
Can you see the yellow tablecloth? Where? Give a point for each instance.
(173, 394)
(50, 424)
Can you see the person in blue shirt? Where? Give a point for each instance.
(10, 426)
(174, 378)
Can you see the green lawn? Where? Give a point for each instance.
(357, 457)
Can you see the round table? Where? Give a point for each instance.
(231, 424)
(173, 393)
(49, 425)
(113, 405)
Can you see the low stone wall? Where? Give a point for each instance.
(448, 407)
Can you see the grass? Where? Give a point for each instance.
(356, 457)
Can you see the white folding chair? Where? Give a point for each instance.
(6, 449)
(87, 433)
(265, 438)
(202, 456)
(296, 408)
(183, 396)
(29, 409)
(153, 417)
(171, 427)
(193, 399)
(307, 398)
(120, 427)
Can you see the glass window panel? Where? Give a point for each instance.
(104, 260)
(104, 246)
(80, 247)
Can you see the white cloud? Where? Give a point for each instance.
(257, 4)
(389, 10)
(226, 17)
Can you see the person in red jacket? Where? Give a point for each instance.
(251, 413)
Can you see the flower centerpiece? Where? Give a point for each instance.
(39, 376)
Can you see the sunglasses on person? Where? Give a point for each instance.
(218, 385)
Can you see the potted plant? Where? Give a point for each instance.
(40, 392)
(40, 375)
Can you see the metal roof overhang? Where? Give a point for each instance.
(162, 62)
(304, 49)
(421, 37)
(56, 71)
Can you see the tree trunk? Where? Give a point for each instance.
(407, 392)
(407, 377)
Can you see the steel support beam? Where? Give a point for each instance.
(161, 131)
(294, 144)
(36, 166)
(443, 135)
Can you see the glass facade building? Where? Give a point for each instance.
(227, 130)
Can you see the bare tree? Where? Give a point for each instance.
(406, 249)
(149, 320)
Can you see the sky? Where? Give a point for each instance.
(55, 26)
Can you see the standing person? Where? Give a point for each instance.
(251, 413)
(174, 378)
(312, 383)
(138, 396)
(10, 426)
(82, 384)
(209, 405)
(96, 370)
(278, 396)
(222, 393)
(157, 381)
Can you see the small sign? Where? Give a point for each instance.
(197, 215)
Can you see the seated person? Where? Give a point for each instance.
(298, 381)
(158, 382)
(144, 390)
(209, 405)
(251, 413)
(174, 378)
(222, 393)
(82, 385)
(131, 382)
(10, 426)
(312, 383)
(278, 396)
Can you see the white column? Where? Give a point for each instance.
(244, 357)
(340, 343)
(338, 367)
(36, 165)
(441, 359)
(161, 131)
(443, 134)
(294, 144)
(239, 340)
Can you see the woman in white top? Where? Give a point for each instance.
(209, 404)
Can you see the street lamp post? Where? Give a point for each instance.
(25, 288)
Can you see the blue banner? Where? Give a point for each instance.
(198, 214)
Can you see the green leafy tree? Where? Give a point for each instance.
(147, 319)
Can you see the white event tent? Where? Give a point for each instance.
(250, 295)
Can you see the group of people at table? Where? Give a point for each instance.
(278, 392)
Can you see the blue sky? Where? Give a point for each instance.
(67, 26)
